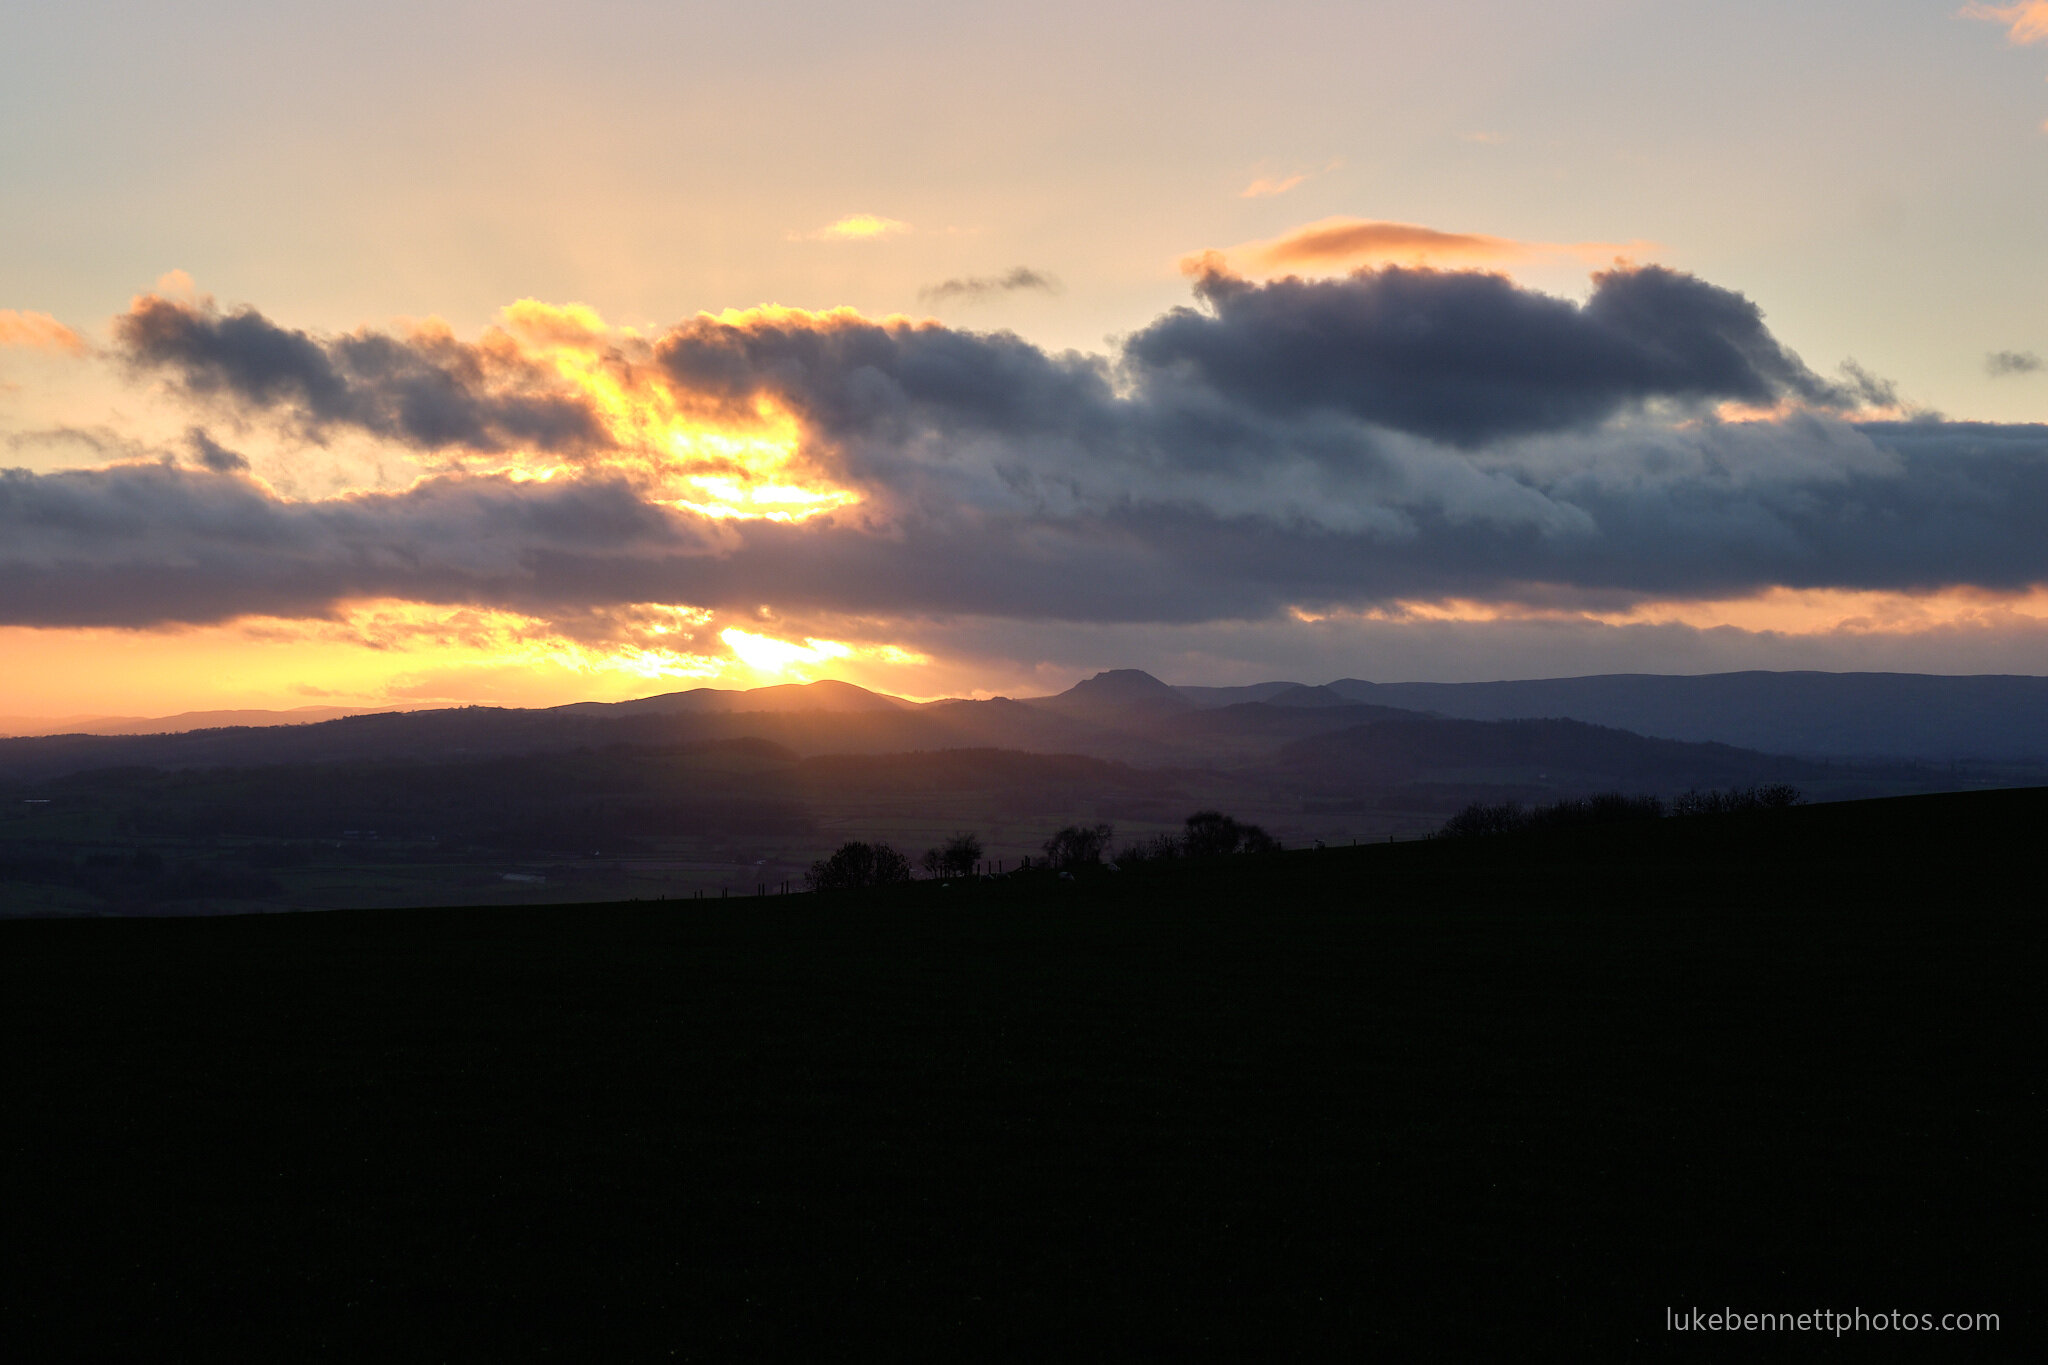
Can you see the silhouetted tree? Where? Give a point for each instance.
(1158, 848)
(1481, 818)
(1210, 832)
(856, 866)
(1256, 840)
(1605, 808)
(1205, 834)
(1769, 796)
(1077, 846)
(955, 858)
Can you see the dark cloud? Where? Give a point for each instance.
(974, 288)
(1865, 390)
(854, 380)
(213, 455)
(2002, 363)
(142, 544)
(1467, 357)
(428, 392)
(1354, 443)
(1717, 512)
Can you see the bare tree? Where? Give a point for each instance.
(856, 866)
(1077, 846)
(955, 858)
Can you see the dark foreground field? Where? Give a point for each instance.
(1521, 1095)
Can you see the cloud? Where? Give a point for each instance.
(855, 227)
(1349, 242)
(38, 331)
(2001, 363)
(1466, 357)
(1347, 445)
(213, 455)
(975, 288)
(425, 390)
(140, 544)
(1265, 186)
(1859, 388)
(2026, 22)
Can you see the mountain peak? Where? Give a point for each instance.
(1123, 684)
(1116, 694)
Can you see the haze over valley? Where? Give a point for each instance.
(721, 791)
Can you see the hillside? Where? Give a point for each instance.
(1288, 1105)
(1924, 717)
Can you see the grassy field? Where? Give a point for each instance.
(1519, 1096)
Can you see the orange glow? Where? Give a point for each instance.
(1782, 611)
(38, 331)
(1265, 187)
(1348, 243)
(785, 659)
(768, 655)
(722, 466)
(380, 653)
(640, 644)
(859, 227)
(2026, 22)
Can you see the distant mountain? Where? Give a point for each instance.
(826, 695)
(1248, 732)
(1299, 695)
(1231, 696)
(1558, 754)
(1120, 695)
(177, 724)
(1992, 717)
(1125, 713)
(1335, 734)
(469, 733)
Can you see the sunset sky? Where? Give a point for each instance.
(516, 353)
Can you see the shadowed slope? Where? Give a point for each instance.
(1264, 1106)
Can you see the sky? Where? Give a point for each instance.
(434, 354)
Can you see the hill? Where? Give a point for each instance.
(1925, 717)
(1529, 752)
(1265, 1106)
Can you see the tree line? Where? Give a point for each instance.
(859, 864)
(1511, 817)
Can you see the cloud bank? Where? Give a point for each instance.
(424, 389)
(1269, 451)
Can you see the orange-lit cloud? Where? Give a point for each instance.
(1775, 611)
(38, 331)
(382, 652)
(720, 464)
(1347, 243)
(2026, 22)
(855, 227)
(549, 391)
(597, 510)
(1266, 186)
